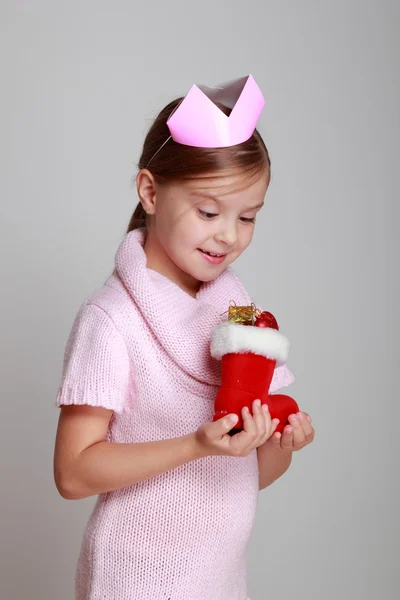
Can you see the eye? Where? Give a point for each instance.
(207, 215)
(246, 220)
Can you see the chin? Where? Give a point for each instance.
(209, 277)
(203, 275)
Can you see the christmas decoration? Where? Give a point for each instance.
(266, 319)
(250, 346)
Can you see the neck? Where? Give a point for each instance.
(158, 260)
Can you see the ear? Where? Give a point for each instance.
(146, 189)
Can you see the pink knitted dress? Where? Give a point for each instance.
(140, 346)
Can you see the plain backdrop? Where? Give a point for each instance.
(81, 82)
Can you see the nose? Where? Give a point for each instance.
(227, 234)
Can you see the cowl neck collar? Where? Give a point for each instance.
(181, 323)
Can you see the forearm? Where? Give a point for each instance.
(108, 466)
(272, 464)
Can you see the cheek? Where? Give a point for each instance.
(245, 237)
(173, 224)
(189, 230)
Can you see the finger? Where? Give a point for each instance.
(259, 419)
(256, 419)
(248, 421)
(306, 415)
(299, 439)
(276, 438)
(307, 427)
(267, 423)
(270, 427)
(298, 432)
(274, 425)
(287, 438)
(225, 424)
(269, 435)
(242, 441)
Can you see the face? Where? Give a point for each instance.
(199, 227)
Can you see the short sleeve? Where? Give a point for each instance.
(96, 368)
(281, 378)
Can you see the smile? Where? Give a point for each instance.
(212, 257)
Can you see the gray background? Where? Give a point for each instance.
(81, 82)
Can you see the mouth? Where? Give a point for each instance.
(211, 253)
(212, 257)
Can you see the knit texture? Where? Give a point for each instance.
(140, 346)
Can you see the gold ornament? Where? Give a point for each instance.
(242, 315)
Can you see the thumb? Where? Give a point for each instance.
(227, 423)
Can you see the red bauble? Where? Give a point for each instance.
(261, 323)
(266, 319)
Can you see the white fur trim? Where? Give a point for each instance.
(233, 338)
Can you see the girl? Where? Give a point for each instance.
(177, 494)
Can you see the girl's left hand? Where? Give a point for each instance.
(295, 436)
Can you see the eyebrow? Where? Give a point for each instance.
(215, 199)
(258, 206)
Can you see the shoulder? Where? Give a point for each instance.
(107, 314)
(113, 300)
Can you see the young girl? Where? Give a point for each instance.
(177, 494)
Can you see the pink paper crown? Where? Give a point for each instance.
(198, 121)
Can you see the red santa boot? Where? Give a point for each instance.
(249, 355)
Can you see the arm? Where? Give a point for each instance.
(85, 464)
(272, 463)
(275, 455)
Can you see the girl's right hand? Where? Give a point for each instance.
(213, 439)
